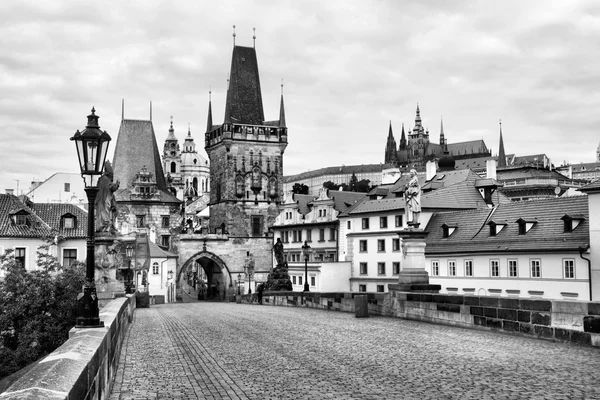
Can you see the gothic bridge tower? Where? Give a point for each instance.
(246, 155)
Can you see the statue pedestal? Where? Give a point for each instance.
(108, 276)
(413, 277)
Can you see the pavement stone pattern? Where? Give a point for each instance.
(210, 350)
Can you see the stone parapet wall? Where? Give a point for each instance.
(565, 321)
(84, 366)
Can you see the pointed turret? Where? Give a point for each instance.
(390, 148)
(282, 111)
(442, 138)
(501, 153)
(171, 135)
(209, 119)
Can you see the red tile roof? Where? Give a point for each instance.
(35, 228)
(473, 234)
(52, 213)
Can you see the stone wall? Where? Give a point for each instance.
(565, 321)
(85, 365)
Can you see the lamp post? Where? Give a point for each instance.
(249, 269)
(92, 145)
(129, 254)
(238, 283)
(306, 253)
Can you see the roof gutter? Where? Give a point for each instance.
(581, 250)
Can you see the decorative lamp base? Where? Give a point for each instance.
(87, 309)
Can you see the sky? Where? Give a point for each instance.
(349, 68)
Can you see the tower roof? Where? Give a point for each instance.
(501, 153)
(209, 119)
(244, 99)
(136, 147)
(171, 135)
(282, 113)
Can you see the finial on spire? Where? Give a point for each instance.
(234, 35)
(122, 109)
(150, 110)
(189, 129)
(171, 121)
(282, 86)
(254, 38)
(209, 93)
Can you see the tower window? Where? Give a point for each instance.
(256, 225)
(173, 166)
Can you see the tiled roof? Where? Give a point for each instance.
(340, 170)
(592, 187)
(472, 163)
(473, 234)
(157, 252)
(136, 148)
(582, 167)
(51, 213)
(342, 200)
(244, 99)
(466, 148)
(527, 172)
(36, 227)
(303, 201)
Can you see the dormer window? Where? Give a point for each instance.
(496, 227)
(525, 226)
(448, 230)
(572, 221)
(21, 219)
(68, 221)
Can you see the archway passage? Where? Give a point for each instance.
(206, 277)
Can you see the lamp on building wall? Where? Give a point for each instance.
(92, 146)
(306, 254)
(238, 283)
(128, 281)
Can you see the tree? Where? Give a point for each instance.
(37, 308)
(353, 183)
(363, 186)
(300, 188)
(330, 185)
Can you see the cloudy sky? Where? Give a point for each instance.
(348, 67)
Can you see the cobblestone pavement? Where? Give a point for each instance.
(240, 351)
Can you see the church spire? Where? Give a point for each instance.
(282, 109)
(501, 153)
(403, 139)
(390, 148)
(442, 138)
(209, 119)
(171, 135)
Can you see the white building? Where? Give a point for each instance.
(60, 187)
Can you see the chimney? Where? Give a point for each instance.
(35, 185)
(10, 191)
(430, 170)
(490, 168)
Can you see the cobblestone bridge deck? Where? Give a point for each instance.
(239, 351)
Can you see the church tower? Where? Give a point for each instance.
(172, 162)
(245, 154)
(501, 153)
(390, 148)
(194, 169)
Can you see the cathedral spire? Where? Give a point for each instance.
(282, 109)
(390, 148)
(171, 131)
(501, 153)
(403, 139)
(209, 119)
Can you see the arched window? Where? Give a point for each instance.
(173, 166)
(155, 268)
(195, 185)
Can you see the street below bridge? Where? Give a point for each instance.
(210, 350)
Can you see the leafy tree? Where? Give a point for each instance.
(37, 308)
(363, 186)
(330, 185)
(353, 183)
(300, 188)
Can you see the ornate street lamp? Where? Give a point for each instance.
(129, 254)
(238, 283)
(92, 146)
(249, 269)
(306, 254)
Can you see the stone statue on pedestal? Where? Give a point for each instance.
(412, 197)
(105, 204)
(279, 278)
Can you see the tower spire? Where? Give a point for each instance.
(150, 110)
(282, 109)
(501, 153)
(254, 38)
(122, 109)
(390, 148)
(234, 36)
(403, 139)
(209, 121)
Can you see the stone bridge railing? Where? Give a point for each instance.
(85, 365)
(559, 320)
